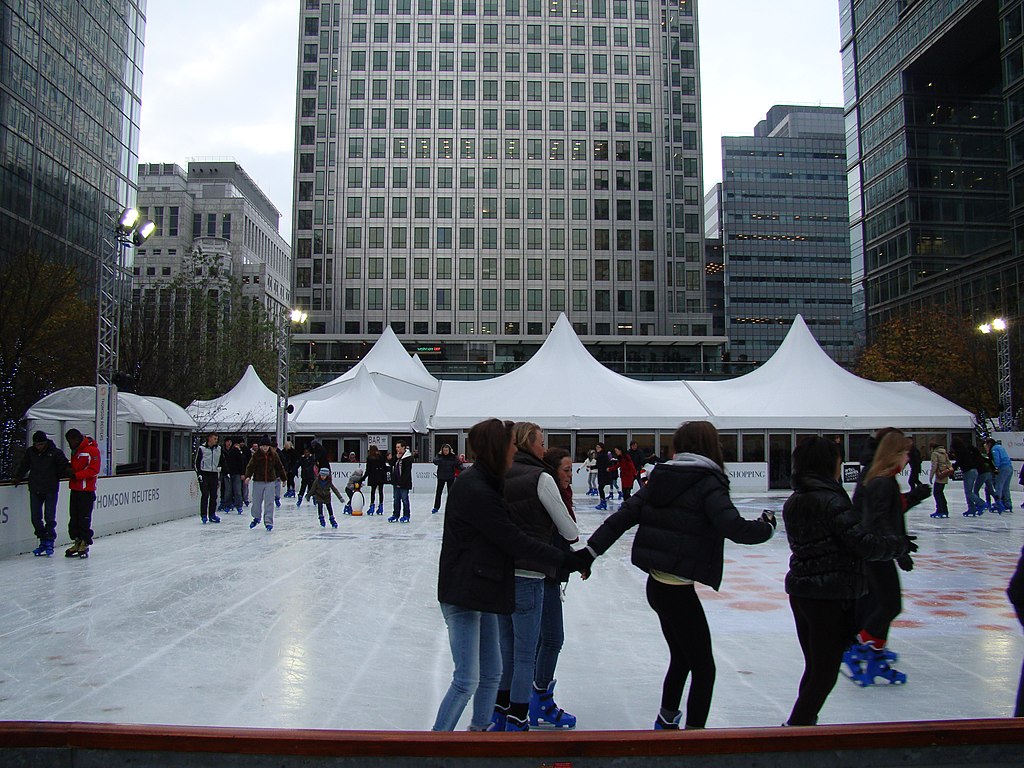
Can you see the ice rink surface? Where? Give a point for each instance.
(304, 627)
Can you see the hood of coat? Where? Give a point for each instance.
(940, 456)
(672, 478)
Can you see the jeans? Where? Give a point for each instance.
(233, 491)
(401, 501)
(45, 526)
(80, 504)
(473, 637)
(552, 634)
(974, 501)
(1004, 475)
(519, 634)
(263, 496)
(939, 494)
(209, 483)
(985, 479)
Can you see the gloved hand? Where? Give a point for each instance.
(768, 516)
(917, 495)
(911, 544)
(905, 562)
(579, 560)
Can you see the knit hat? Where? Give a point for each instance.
(325, 472)
(39, 437)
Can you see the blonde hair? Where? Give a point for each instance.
(888, 455)
(523, 434)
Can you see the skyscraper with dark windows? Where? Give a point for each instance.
(70, 84)
(934, 93)
(466, 170)
(782, 217)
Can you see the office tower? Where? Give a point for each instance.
(466, 170)
(785, 230)
(714, 260)
(935, 128)
(70, 80)
(217, 211)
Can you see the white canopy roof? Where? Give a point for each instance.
(393, 370)
(79, 404)
(563, 387)
(800, 387)
(250, 406)
(356, 404)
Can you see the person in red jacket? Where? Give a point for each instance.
(627, 472)
(85, 466)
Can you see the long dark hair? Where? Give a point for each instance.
(699, 437)
(489, 441)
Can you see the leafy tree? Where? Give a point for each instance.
(47, 339)
(192, 337)
(939, 350)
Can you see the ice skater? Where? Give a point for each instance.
(476, 570)
(1015, 592)
(590, 467)
(320, 492)
(939, 474)
(826, 569)
(265, 469)
(376, 478)
(355, 482)
(306, 464)
(208, 463)
(85, 468)
(1003, 476)
(44, 464)
(448, 466)
(401, 478)
(880, 506)
(684, 515)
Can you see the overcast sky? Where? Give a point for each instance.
(219, 78)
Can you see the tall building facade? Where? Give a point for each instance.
(216, 211)
(934, 93)
(783, 220)
(70, 84)
(466, 170)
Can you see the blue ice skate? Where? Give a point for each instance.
(865, 663)
(544, 711)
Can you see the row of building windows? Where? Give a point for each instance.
(512, 238)
(489, 91)
(470, 33)
(623, 122)
(443, 208)
(533, 8)
(486, 299)
(509, 327)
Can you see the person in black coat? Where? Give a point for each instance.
(826, 569)
(1015, 591)
(376, 477)
(307, 468)
(448, 465)
(476, 573)
(604, 473)
(44, 464)
(401, 479)
(684, 515)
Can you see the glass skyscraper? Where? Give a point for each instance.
(934, 93)
(70, 84)
(466, 170)
(784, 225)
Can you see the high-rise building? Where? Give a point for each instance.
(217, 212)
(70, 84)
(466, 170)
(783, 218)
(934, 96)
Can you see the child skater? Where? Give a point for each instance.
(355, 480)
(320, 492)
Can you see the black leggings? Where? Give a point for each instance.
(883, 602)
(376, 490)
(689, 643)
(440, 487)
(825, 629)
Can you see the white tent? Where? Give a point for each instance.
(78, 404)
(250, 406)
(800, 387)
(357, 405)
(563, 387)
(393, 370)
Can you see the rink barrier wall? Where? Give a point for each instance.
(975, 743)
(122, 504)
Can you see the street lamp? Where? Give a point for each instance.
(1000, 327)
(284, 359)
(128, 230)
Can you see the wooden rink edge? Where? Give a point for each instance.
(328, 743)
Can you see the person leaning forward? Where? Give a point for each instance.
(45, 464)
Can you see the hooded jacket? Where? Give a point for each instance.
(828, 544)
(44, 469)
(684, 515)
(447, 466)
(85, 466)
(401, 470)
(940, 460)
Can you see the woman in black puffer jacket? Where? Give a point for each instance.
(684, 515)
(826, 569)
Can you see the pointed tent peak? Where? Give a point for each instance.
(799, 348)
(561, 347)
